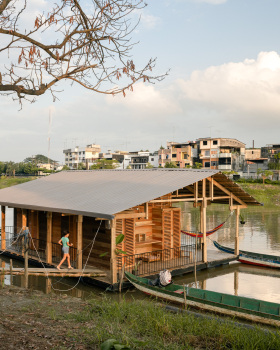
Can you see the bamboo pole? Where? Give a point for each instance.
(26, 247)
(49, 238)
(80, 242)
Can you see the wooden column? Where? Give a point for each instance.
(49, 238)
(236, 247)
(3, 225)
(24, 218)
(23, 226)
(113, 252)
(203, 211)
(79, 242)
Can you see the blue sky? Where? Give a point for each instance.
(224, 81)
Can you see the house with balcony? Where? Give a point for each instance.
(224, 154)
(85, 155)
(97, 206)
(142, 159)
(183, 154)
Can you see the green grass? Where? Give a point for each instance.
(11, 181)
(267, 194)
(146, 325)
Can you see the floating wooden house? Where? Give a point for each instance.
(97, 206)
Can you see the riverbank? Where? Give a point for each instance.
(267, 194)
(8, 181)
(33, 320)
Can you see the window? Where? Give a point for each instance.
(207, 153)
(174, 155)
(207, 164)
(152, 159)
(215, 142)
(205, 143)
(186, 156)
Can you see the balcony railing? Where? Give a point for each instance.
(149, 263)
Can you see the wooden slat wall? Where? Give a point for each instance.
(167, 228)
(56, 227)
(102, 243)
(73, 229)
(176, 227)
(19, 220)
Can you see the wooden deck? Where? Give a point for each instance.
(53, 272)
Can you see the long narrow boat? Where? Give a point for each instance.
(252, 258)
(232, 305)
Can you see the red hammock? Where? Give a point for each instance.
(208, 233)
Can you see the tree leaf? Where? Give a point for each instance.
(119, 238)
(103, 254)
(108, 344)
(119, 251)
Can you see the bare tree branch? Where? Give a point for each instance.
(88, 44)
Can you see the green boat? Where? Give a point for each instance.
(251, 309)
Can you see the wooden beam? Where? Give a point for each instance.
(3, 226)
(113, 252)
(49, 238)
(79, 242)
(227, 191)
(23, 226)
(135, 215)
(146, 205)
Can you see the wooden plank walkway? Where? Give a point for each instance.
(53, 272)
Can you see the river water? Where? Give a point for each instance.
(260, 233)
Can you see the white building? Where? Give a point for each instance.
(85, 155)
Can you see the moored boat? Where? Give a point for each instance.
(232, 305)
(252, 258)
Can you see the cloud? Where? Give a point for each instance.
(146, 100)
(249, 86)
(149, 21)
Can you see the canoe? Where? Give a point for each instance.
(252, 258)
(231, 305)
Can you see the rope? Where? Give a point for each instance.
(46, 272)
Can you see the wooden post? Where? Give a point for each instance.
(49, 238)
(11, 270)
(113, 252)
(3, 224)
(80, 242)
(23, 226)
(236, 282)
(236, 247)
(26, 246)
(203, 211)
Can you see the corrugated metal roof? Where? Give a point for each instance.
(99, 193)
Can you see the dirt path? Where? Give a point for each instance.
(28, 321)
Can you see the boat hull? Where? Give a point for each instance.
(257, 259)
(209, 301)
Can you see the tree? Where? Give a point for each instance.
(105, 164)
(197, 165)
(149, 166)
(170, 165)
(86, 42)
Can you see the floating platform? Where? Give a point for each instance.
(52, 272)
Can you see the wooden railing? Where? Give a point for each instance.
(152, 262)
(37, 248)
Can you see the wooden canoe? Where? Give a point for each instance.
(232, 305)
(253, 258)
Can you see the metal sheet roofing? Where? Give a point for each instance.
(99, 193)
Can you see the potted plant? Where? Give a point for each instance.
(241, 219)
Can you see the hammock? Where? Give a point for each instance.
(208, 233)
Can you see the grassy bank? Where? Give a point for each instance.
(7, 181)
(52, 321)
(267, 194)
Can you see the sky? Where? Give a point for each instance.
(224, 81)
